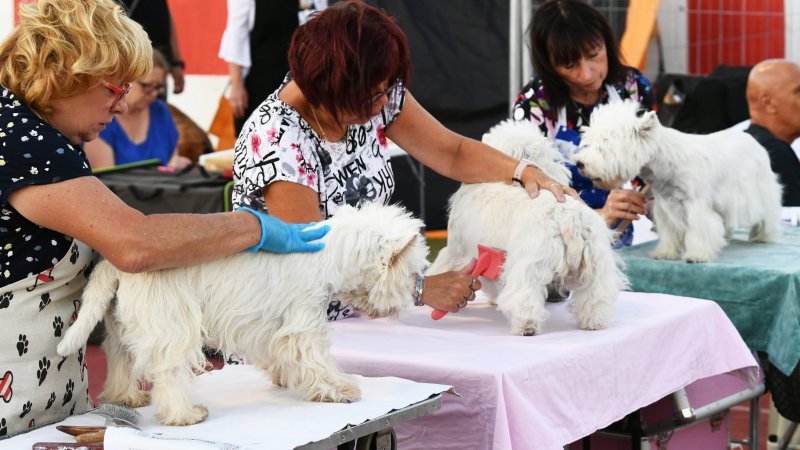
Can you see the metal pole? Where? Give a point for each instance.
(514, 40)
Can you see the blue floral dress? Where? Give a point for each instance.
(564, 126)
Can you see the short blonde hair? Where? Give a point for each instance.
(63, 47)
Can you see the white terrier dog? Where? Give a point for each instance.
(269, 307)
(704, 185)
(545, 241)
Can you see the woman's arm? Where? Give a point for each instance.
(292, 202)
(99, 153)
(238, 94)
(87, 210)
(458, 157)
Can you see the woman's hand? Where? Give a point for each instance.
(450, 291)
(238, 99)
(623, 204)
(534, 179)
(179, 162)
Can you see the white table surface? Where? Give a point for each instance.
(246, 410)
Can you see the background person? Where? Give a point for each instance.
(320, 140)
(155, 18)
(576, 57)
(773, 98)
(254, 45)
(64, 73)
(145, 131)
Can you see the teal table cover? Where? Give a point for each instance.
(756, 285)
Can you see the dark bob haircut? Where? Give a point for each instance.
(343, 53)
(561, 31)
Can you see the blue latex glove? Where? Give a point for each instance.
(278, 236)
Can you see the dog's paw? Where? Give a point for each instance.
(695, 257)
(663, 253)
(342, 393)
(196, 414)
(527, 328)
(139, 399)
(593, 324)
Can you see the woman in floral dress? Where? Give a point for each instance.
(577, 60)
(320, 140)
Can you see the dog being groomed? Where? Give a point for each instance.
(266, 306)
(704, 186)
(545, 241)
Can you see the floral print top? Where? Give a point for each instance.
(31, 152)
(277, 144)
(533, 104)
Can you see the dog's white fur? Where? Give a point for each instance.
(269, 307)
(704, 186)
(545, 241)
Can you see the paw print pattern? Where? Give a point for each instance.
(58, 325)
(26, 408)
(72, 410)
(22, 344)
(45, 301)
(61, 363)
(51, 400)
(68, 393)
(74, 254)
(44, 366)
(80, 356)
(3, 429)
(5, 299)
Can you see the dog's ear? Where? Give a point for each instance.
(647, 124)
(396, 247)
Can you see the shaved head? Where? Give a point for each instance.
(773, 97)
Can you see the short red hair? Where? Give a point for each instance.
(343, 53)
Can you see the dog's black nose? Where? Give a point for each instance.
(579, 165)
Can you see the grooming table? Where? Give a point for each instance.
(546, 391)
(248, 412)
(758, 287)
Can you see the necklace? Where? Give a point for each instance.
(337, 146)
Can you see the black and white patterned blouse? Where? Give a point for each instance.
(277, 144)
(31, 152)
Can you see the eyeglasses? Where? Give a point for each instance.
(118, 91)
(150, 87)
(386, 92)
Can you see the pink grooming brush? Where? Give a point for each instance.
(490, 261)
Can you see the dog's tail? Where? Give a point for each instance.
(97, 296)
(589, 251)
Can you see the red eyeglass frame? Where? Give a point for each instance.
(119, 91)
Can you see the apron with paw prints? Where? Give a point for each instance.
(37, 386)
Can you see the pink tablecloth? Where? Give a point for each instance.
(546, 391)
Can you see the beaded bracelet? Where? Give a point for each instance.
(418, 290)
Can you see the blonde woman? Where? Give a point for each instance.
(145, 131)
(64, 73)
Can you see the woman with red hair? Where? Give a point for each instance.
(320, 140)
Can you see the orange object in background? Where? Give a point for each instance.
(223, 125)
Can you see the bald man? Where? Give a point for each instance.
(773, 96)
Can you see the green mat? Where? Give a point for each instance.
(757, 285)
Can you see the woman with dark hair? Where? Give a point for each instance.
(579, 66)
(320, 140)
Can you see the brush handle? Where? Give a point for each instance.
(94, 436)
(480, 266)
